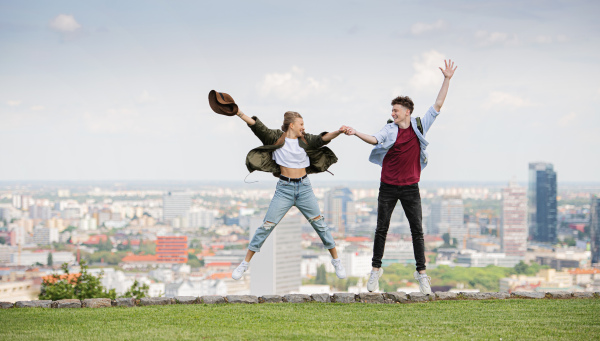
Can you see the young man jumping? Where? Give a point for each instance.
(400, 151)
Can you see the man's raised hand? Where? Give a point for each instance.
(449, 68)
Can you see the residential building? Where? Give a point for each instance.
(483, 259)
(171, 249)
(176, 205)
(513, 230)
(447, 216)
(45, 235)
(202, 217)
(339, 209)
(88, 223)
(19, 291)
(275, 270)
(40, 257)
(398, 252)
(196, 288)
(40, 212)
(357, 263)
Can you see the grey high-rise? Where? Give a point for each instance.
(542, 202)
(176, 205)
(339, 209)
(595, 229)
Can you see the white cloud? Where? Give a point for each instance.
(145, 97)
(396, 91)
(13, 103)
(548, 39)
(64, 23)
(561, 38)
(544, 39)
(114, 121)
(567, 119)
(292, 85)
(505, 100)
(427, 73)
(486, 38)
(37, 107)
(421, 27)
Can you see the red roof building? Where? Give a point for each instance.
(358, 239)
(171, 249)
(96, 239)
(139, 259)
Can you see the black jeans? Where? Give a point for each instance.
(410, 198)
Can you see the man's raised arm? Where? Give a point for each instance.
(448, 73)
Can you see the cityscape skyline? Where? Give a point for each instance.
(187, 240)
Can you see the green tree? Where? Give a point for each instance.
(147, 248)
(196, 245)
(2, 240)
(137, 291)
(50, 259)
(521, 268)
(194, 262)
(80, 286)
(105, 245)
(70, 228)
(321, 277)
(446, 238)
(112, 258)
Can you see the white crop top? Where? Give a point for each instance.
(291, 155)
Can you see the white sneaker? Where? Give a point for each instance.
(239, 271)
(373, 283)
(424, 282)
(339, 268)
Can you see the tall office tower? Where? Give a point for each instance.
(275, 270)
(176, 205)
(447, 216)
(542, 202)
(339, 209)
(513, 231)
(595, 230)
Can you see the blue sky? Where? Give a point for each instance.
(118, 90)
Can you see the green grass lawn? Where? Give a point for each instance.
(576, 319)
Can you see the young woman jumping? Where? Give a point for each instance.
(290, 154)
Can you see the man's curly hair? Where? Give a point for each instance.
(404, 101)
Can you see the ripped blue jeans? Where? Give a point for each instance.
(288, 194)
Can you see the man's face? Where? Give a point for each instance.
(399, 113)
(298, 127)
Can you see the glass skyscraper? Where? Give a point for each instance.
(595, 229)
(542, 202)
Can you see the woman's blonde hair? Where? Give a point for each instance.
(289, 117)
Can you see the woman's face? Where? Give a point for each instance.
(297, 127)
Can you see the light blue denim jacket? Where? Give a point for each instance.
(386, 137)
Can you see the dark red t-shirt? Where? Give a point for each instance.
(402, 163)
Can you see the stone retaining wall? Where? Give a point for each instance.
(374, 298)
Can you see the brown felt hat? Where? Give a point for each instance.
(222, 103)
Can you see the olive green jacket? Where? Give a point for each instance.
(261, 158)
